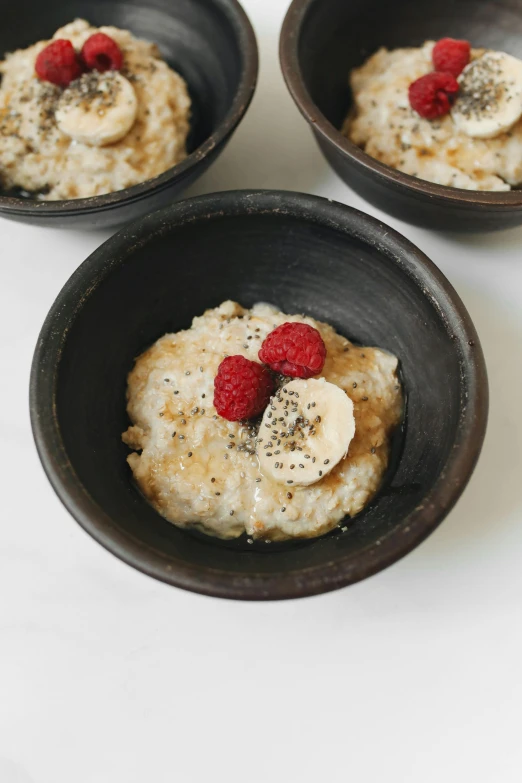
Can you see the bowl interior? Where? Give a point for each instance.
(337, 36)
(198, 38)
(329, 262)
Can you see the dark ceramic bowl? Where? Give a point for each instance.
(322, 40)
(210, 42)
(304, 254)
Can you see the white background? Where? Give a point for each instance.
(411, 677)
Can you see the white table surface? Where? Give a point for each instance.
(413, 676)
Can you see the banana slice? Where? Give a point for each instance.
(98, 109)
(305, 432)
(490, 97)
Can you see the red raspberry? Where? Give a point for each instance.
(451, 56)
(431, 95)
(294, 349)
(242, 388)
(101, 53)
(58, 63)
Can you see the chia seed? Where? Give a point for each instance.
(481, 88)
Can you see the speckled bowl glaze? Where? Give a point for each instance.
(209, 42)
(322, 40)
(303, 254)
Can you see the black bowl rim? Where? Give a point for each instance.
(256, 586)
(119, 198)
(289, 59)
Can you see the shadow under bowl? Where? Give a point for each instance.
(306, 255)
(323, 40)
(209, 42)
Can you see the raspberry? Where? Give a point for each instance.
(101, 53)
(431, 95)
(58, 63)
(294, 349)
(242, 388)
(451, 56)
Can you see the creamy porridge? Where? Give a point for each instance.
(102, 132)
(225, 477)
(477, 145)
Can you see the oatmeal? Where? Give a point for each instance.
(385, 126)
(135, 129)
(198, 469)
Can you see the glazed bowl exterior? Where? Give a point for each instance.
(210, 42)
(322, 40)
(306, 255)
